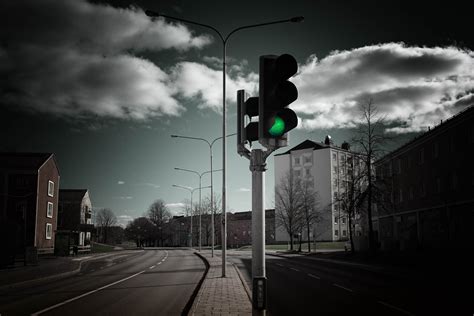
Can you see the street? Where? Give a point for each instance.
(153, 281)
(300, 284)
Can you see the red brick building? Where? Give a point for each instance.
(428, 200)
(29, 185)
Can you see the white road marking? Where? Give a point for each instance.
(295, 269)
(396, 308)
(85, 294)
(344, 288)
(153, 266)
(280, 265)
(313, 276)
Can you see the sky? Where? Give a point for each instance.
(103, 86)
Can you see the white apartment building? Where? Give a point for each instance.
(326, 167)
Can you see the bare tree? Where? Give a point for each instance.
(288, 205)
(159, 215)
(206, 212)
(105, 219)
(310, 208)
(370, 138)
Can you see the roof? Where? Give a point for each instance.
(431, 132)
(305, 145)
(72, 195)
(23, 161)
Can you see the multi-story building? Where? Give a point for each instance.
(429, 185)
(74, 220)
(326, 168)
(28, 204)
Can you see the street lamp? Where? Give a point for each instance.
(191, 191)
(210, 144)
(200, 208)
(224, 157)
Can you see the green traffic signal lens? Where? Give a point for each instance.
(278, 127)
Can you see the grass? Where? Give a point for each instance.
(304, 246)
(95, 248)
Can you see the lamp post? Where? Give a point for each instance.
(200, 183)
(224, 41)
(210, 144)
(191, 191)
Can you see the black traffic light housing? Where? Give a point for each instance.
(246, 133)
(275, 94)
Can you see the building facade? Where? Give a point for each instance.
(327, 169)
(429, 189)
(29, 185)
(74, 220)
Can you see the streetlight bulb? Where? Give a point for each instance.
(297, 19)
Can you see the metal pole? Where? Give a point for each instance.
(257, 167)
(200, 176)
(212, 207)
(224, 171)
(191, 234)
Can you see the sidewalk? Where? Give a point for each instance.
(221, 296)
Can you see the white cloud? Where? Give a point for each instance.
(74, 57)
(175, 205)
(147, 184)
(120, 182)
(123, 197)
(414, 85)
(243, 190)
(123, 220)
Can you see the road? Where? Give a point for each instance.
(153, 281)
(301, 285)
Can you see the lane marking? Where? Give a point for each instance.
(153, 266)
(85, 294)
(396, 308)
(295, 269)
(280, 265)
(344, 288)
(313, 276)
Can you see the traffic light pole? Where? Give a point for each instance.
(259, 280)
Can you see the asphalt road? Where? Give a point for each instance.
(153, 281)
(306, 286)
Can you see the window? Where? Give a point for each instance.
(308, 172)
(297, 160)
(49, 230)
(334, 156)
(297, 173)
(307, 159)
(50, 188)
(399, 166)
(335, 220)
(422, 156)
(344, 233)
(244, 232)
(343, 220)
(435, 149)
(336, 232)
(49, 212)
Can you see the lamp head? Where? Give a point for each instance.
(297, 19)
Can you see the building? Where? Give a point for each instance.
(239, 228)
(429, 184)
(29, 185)
(74, 221)
(326, 168)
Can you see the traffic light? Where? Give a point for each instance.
(246, 107)
(276, 93)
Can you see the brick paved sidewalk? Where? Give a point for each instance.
(221, 296)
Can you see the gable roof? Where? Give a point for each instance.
(23, 161)
(72, 195)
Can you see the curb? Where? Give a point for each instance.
(246, 287)
(189, 305)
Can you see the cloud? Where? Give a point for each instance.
(123, 220)
(120, 182)
(123, 197)
(243, 190)
(415, 85)
(155, 186)
(77, 58)
(175, 205)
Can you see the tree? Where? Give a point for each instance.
(159, 215)
(310, 211)
(105, 219)
(141, 230)
(370, 138)
(206, 222)
(288, 205)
